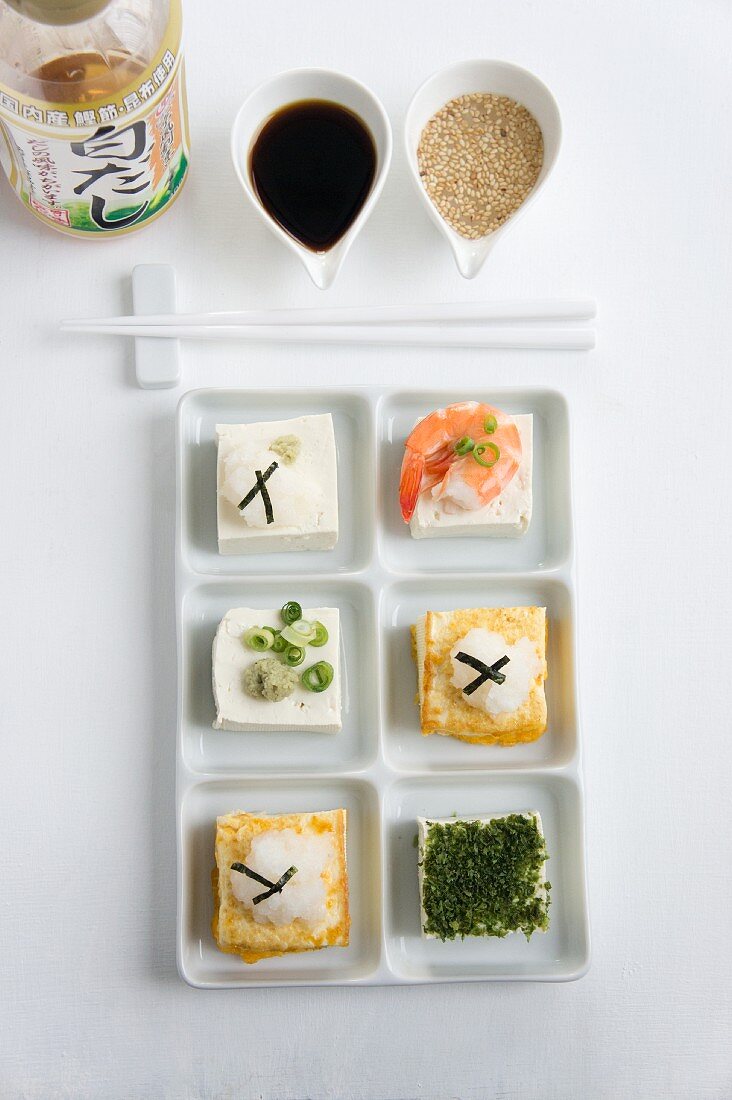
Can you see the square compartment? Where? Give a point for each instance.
(199, 959)
(403, 602)
(198, 413)
(560, 954)
(206, 750)
(548, 542)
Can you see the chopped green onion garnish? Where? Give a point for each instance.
(304, 628)
(487, 453)
(464, 446)
(490, 424)
(300, 633)
(318, 677)
(291, 612)
(259, 638)
(321, 635)
(280, 644)
(294, 655)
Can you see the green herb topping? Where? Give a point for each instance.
(321, 634)
(294, 655)
(274, 679)
(490, 424)
(299, 633)
(464, 445)
(484, 879)
(287, 447)
(291, 612)
(318, 677)
(486, 453)
(259, 638)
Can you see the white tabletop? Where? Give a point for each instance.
(637, 213)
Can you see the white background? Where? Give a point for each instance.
(637, 213)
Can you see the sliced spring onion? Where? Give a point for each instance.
(321, 634)
(259, 638)
(318, 677)
(280, 644)
(291, 612)
(464, 446)
(490, 424)
(486, 453)
(300, 633)
(304, 628)
(294, 655)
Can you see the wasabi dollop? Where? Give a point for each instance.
(287, 447)
(269, 679)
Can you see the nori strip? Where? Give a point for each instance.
(487, 672)
(275, 888)
(259, 488)
(272, 887)
(265, 497)
(244, 870)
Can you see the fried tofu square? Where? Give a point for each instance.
(445, 709)
(315, 912)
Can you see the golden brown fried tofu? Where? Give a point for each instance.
(445, 709)
(311, 909)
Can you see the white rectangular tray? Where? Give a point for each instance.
(379, 767)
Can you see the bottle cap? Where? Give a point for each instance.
(58, 12)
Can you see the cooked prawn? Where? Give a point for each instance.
(459, 480)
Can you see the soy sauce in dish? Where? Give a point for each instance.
(312, 167)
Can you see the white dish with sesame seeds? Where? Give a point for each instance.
(498, 78)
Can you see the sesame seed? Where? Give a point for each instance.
(479, 157)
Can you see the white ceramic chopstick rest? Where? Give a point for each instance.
(157, 362)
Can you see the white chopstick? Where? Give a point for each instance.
(580, 309)
(467, 336)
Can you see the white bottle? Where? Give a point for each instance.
(93, 128)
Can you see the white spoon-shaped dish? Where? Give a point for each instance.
(290, 87)
(498, 78)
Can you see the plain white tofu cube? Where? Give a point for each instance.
(506, 516)
(315, 469)
(316, 712)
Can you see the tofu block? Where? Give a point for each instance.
(443, 707)
(316, 712)
(315, 471)
(475, 873)
(317, 910)
(507, 516)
